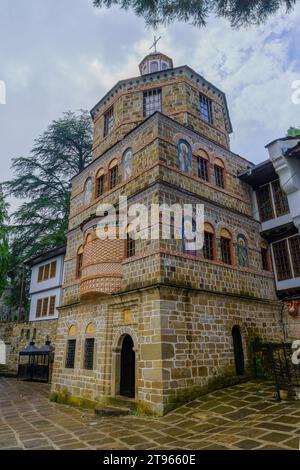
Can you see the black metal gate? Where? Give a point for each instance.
(36, 363)
(274, 361)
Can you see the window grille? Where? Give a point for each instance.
(202, 168)
(208, 246)
(282, 261)
(100, 186)
(280, 199)
(52, 305)
(89, 353)
(219, 176)
(152, 102)
(295, 254)
(264, 202)
(206, 109)
(70, 358)
(226, 250)
(108, 121)
(113, 176)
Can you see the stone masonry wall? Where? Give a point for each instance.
(180, 100)
(182, 340)
(17, 335)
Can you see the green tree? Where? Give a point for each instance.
(42, 182)
(238, 12)
(4, 247)
(293, 132)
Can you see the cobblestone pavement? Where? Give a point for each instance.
(245, 416)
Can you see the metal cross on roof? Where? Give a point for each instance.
(155, 43)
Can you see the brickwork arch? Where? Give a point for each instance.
(181, 136)
(112, 163)
(116, 358)
(237, 321)
(221, 226)
(121, 332)
(199, 146)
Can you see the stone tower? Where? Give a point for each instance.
(150, 319)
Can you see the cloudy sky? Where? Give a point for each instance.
(58, 55)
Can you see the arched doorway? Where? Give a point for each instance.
(238, 350)
(127, 369)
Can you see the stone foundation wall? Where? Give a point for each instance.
(182, 341)
(17, 335)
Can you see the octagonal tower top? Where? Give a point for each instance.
(155, 62)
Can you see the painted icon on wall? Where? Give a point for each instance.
(184, 156)
(242, 251)
(127, 164)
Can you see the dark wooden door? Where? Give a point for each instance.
(127, 384)
(238, 351)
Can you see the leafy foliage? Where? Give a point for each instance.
(4, 248)
(42, 181)
(293, 132)
(238, 12)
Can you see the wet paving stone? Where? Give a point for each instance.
(248, 444)
(243, 417)
(293, 443)
(275, 437)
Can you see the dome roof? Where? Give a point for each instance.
(155, 62)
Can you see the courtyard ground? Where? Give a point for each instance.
(245, 416)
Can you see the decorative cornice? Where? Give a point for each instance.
(178, 71)
(157, 116)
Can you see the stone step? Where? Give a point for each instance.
(109, 411)
(117, 406)
(123, 402)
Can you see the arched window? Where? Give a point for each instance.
(209, 242)
(127, 164)
(242, 251)
(72, 330)
(184, 156)
(265, 257)
(87, 191)
(202, 165)
(219, 170)
(226, 246)
(164, 66)
(189, 236)
(90, 329)
(113, 172)
(238, 350)
(100, 178)
(79, 260)
(89, 347)
(71, 347)
(130, 243)
(154, 66)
